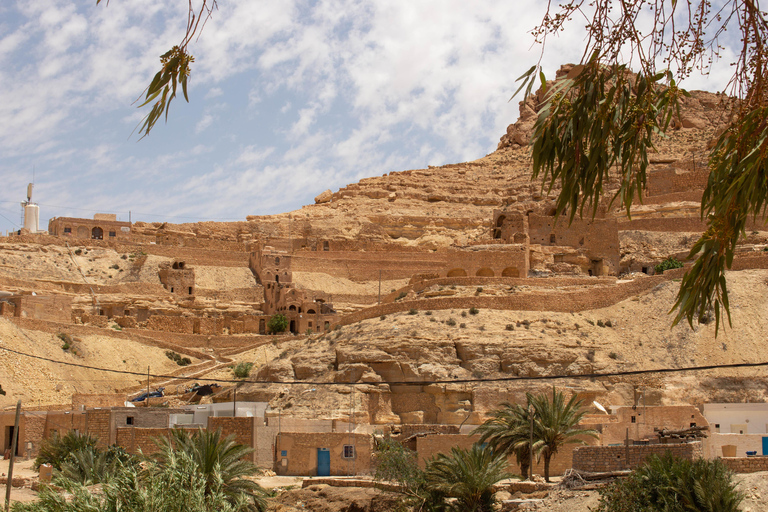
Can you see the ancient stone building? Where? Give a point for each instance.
(104, 226)
(178, 278)
(585, 246)
(306, 310)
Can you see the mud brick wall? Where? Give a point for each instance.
(241, 428)
(98, 424)
(746, 464)
(301, 453)
(614, 458)
(62, 422)
(365, 266)
(133, 439)
(171, 323)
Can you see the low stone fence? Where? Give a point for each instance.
(746, 464)
(599, 459)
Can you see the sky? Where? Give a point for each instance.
(287, 99)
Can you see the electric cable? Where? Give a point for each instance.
(516, 378)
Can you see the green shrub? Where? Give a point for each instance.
(473, 311)
(278, 323)
(427, 313)
(383, 317)
(412, 312)
(451, 322)
(462, 325)
(479, 289)
(66, 338)
(56, 449)
(510, 327)
(613, 355)
(673, 485)
(181, 361)
(667, 264)
(242, 370)
(464, 314)
(400, 296)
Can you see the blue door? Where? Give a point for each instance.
(323, 462)
(765, 446)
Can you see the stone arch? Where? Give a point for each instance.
(292, 308)
(97, 233)
(457, 272)
(310, 311)
(82, 232)
(485, 272)
(510, 272)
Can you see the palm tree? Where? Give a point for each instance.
(468, 476)
(508, 433)
(220, 461)
(556, 424)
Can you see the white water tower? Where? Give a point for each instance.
(31, 212)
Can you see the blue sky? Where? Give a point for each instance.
(287, 99)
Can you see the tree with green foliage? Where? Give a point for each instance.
(57, 449)
(468, 475)
(674, 485)
(177, 485)
(596, 127)
(668, 264)
(556, 424)
(508, 432)
(278, 323)
(394, 463)
(220, 460)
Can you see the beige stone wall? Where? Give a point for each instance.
(616, 458)
(746, 464)
(53, 308)
(301, 453)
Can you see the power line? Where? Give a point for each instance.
(595, 375)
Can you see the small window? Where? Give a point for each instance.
(633, 419)
(129, 420)
(283, 453)
(349, 451)
(171, 289)
(190, 290)
(552, 238)
(67, 231)
(112, 234)
(693, 425)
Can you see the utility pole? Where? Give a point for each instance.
(14, 443)
(147, 386)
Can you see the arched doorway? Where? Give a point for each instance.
(97, 233)
(457, 272)
(510, 272)
(293, 326)
(485, 272)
